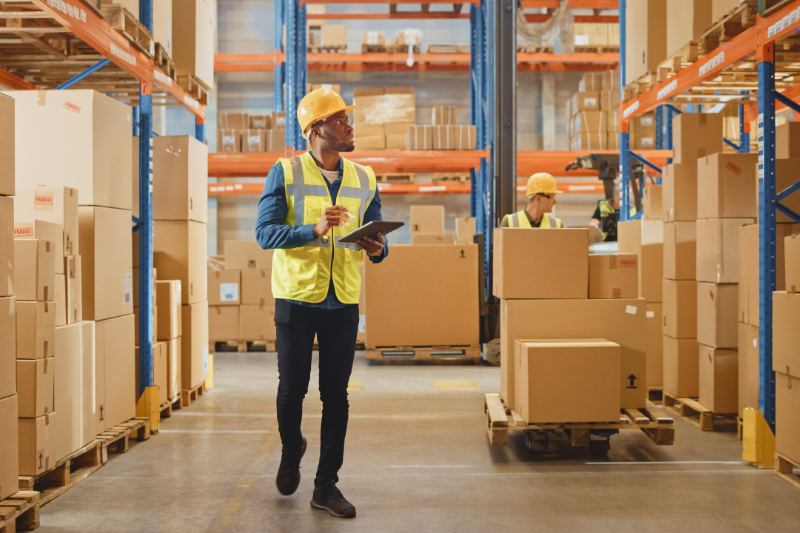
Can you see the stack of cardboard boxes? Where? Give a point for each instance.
(383, 117)
(572, 319)
(593, 112)
(443, 133)
(596, 35)
(180, 213)
(167, 350)
(252, 132)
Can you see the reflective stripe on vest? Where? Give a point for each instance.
(304, 273)
(520, 220)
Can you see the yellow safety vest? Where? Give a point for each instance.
(520, 220)
(304, 273)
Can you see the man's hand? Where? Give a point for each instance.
(372, 246)
(333, 217)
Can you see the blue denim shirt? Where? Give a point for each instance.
(271, 232)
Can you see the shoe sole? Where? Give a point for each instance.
(332, 512)
(302, 453)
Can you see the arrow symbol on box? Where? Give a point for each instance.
(632, 380)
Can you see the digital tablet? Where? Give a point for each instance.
(371, 229)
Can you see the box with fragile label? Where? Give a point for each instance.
(718, 380)
(180, 178)
(223, 322)
(168, 298)
(46, 231)
(106, 262)
(680, 247)
(681, 358)
(179, 252)
(427, 219)
(36, 440)
(792, 262)
(6, 246)
(590, 366)
(655, 345)
(257, 322)
(35, 329)
(8, 343)
(73, 290)
(223, 287)
(9, 446)
(716, 314)
(613, 276)
(726, 186)
(679, 192)
(718, 249)
(696, 135)
(748, 366)
(194, 344)
(58, 205)
(35, 387)
(33, 269)
(680, 308)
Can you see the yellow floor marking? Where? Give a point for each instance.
(355, 384)
(455, 384)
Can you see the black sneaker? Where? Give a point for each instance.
(288, 477)
(329, 498)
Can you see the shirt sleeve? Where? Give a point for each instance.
(504, 222)
(596, 214)
(271, 230)
(373, 212)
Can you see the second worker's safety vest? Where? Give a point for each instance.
(520, 220)
(304, 273)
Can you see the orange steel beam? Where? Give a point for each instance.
(428, 2)
(386, 16)
(776, 26)
(577, 57)
(611, 19)
(573, 4)
(15, 82)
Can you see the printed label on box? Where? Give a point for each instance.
(127, 289)
(44, 200)
(228, 292)
(205, 358)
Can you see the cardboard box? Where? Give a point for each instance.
(653, 209)
(68, 389)
(590, 366)
(58, 205)
(786, 173)
(114, 346)
(588, 141)
(680, 247)
(686, 21)
(256, 286)
(679, 192)
(36, 439)
(696, 135)
(93, 390)
(373, 39)
(33, 269)
(223, 322)
(235, 121)
(718, 249)
(7, 156)
(431, 238)
(369, 136)
(8, 346)
(382, 108)
(276, 140)
(519, 271)
(465, 137)
(162, 24)
(180, 178)
(785, 333)
(716, 314)
(443, 114)
(787, 416)
(106, 271)
(9, 446)
(173, 368)
(6, 245)
(396, 133)
(427, 219)
(241, 255)
(74, 289)
(655, 345)
(718, 380)
(194, 38)
(680, 309)
(613, 276)
(334, 36)
(651, 261)
(589, 122)
(787, 140)
(585, 101)
(420, 138)
(224, 287)
(230, 140)
(591, 81)
(646, 36)
(726, 186)
(88, 136)
(60, 301)
(792, 262)
(681, 356)
(445, 137)
(168, 298)
(748, 367)
(254, 140)
(44, 231)
(261, 122)
(465, 230)
(257, 322)
(445, 276)
(179, 252)
(194, 344)
(35, 387)
(35, 329)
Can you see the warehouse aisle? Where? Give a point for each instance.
(417, 459)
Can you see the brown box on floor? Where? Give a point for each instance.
(168, 298)
(180, 178)
(680, 247)
(194, 350)
(256, 287)
(179, 252)
(787, 416)
(519, 271)
(792, 262)
(257, 322)
(68, 388)
(36, 444)
(718, 249)
(718, 380)
(748, 367)
(726, 186)
(785, 332)
(613, 276)
(35, 329)
(74, 289)
(620, 321)
(9, 446)
(58, 205)
(224, 287)
(590, 366)
(223, 322)
(679, 192)
(241, 255)
(114, 348)
(35, 387)
(696, 135)
(427, 219)
(680, 308)
(681, 358)
(6, 246)
(7, 156)
(45, 231)
(655, 345)
(431, 238)
(8, 346)
(716, 314)
(33, 270)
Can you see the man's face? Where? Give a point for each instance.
(335, 133)
(544, 202)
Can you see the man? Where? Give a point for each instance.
(606, 215)
(541, 191)
(308, 203)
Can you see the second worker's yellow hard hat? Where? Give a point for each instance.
(541, 183)
(317, 105)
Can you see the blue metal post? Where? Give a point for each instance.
(199, 130)
(744, 136)
(766, 228)
(86, 73)
(280, 70)
(660, 127)
(624, 137)
(295, 69)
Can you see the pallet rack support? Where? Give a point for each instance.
(86, 73)
(280, 69)
(744, 128)
(624, 137)
(296, 68)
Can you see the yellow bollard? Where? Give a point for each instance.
(210, 378)
(148, 406)
(758, 441)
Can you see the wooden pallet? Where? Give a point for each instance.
(460, 177)
(117, 439)
(784, 467)
(94, 5)
(731, 24)
(242, 346)
(443, 49)
(193, 86)
(129, 26)
(425, 354)
(373, 48)
(776, 6)
(693, 412)
(167, 407)
(163, 61)
(655, 395)
(394, 178)
(502, 421)
(192, 395)
(341, 49)
(19, 512)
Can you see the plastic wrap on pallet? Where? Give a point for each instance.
(557, 31)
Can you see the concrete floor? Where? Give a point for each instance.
(417, 459)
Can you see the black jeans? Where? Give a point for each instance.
(336, 332)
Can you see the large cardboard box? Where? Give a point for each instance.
(680, 308)
(73, 289)
(427, 219)
(585, 101)
(465, 230)
(651, 263)
(787, 140)
(68, 389)
(696, 135)
(180, 178)
(194, 37)
(444, 276)
(680, 246)
(35, 387)
(591, 367)
(718, 249)
(787, 416)
(653, 203)
(9, 446)
(8, 346)
(382, 108)
(679, 192)
(60, 301)
(224, 287)
(432, 238)
(256, 286)
(257, 322)
(179, 252)
(58, 205)
(194, 344)
(173, 368)
(520, 270)
(396, 133)
(36, 440)
(334, 35)
(35, 329)
(369, 136)
(681, 367)
(241, 255)
(726, 186)
(655, 345)
(785, 332)
(106, 262)
(223, 322)
(613, 276)
(792, 262)
(716, 314)
(6, 155)
(168, 298)
(93, 389)
(45, 231)
(115, 353)
(620, 321)
(646, 37)
(686, 21)
(748, 367)
(33, 270)
(6, 246)
(718, 380)
(786, 173)
(88, 140)
(162, 24)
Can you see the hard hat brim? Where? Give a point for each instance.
(323, 117)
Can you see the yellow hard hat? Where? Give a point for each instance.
(317, 105)
(541, 183)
